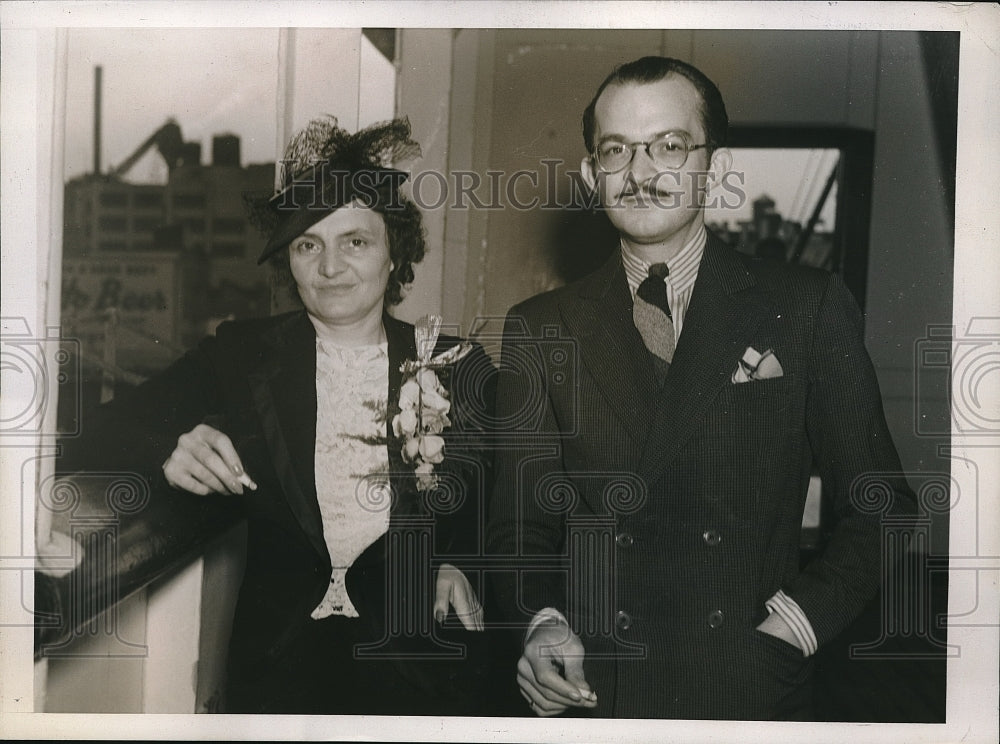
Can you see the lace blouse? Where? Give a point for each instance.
(352, 464)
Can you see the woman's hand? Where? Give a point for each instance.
(454, 589)
(205, 462)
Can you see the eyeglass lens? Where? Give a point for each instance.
(668, 151)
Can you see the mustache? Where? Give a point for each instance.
(649, 189)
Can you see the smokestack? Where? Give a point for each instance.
(97, 120)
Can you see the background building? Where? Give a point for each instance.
(149, 269)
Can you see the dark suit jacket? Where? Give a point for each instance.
(660, 520)
(256, 381)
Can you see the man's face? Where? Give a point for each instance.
(647, 203)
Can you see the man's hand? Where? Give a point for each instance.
(205, 462)
(550, 671)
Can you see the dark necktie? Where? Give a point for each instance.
(651, 313)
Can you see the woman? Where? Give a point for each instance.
(356, 521)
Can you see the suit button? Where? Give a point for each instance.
(623, 621)
(711, 538)
(624, 540)
(716, 619)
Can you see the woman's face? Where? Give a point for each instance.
(341, 265)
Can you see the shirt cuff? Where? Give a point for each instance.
(789, 611)
(542, 616)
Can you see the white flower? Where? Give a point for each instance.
(409, 394)
(434, 402)
(424, 406)
(428, 380)
(434, 422)
(405, 422)
(431, 448)
(411, 448)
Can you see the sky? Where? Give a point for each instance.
(211, 81)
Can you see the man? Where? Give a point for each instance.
(653, 487)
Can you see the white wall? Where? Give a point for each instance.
(32, 79)
(423, 95)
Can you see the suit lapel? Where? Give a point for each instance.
(402, 346)
(284, 392)
(725, 311)
(599, 318)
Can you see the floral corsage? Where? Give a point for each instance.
(424, 403)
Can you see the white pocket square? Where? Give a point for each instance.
(755, 365)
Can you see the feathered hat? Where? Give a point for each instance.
(324, 168)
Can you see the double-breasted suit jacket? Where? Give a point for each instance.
(256, 382)
(660, 520)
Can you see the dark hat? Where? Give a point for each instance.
(324, 168)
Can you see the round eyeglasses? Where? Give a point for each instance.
(669, 150)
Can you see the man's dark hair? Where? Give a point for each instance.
(714, 119)
(404, 233)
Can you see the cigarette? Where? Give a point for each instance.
(247, 481)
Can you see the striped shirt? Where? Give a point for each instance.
(680, 281)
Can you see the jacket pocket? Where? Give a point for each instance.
(783, 671)
(772, 386)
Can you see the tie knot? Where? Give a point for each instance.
(659, 270)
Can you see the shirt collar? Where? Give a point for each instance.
(683, 266)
